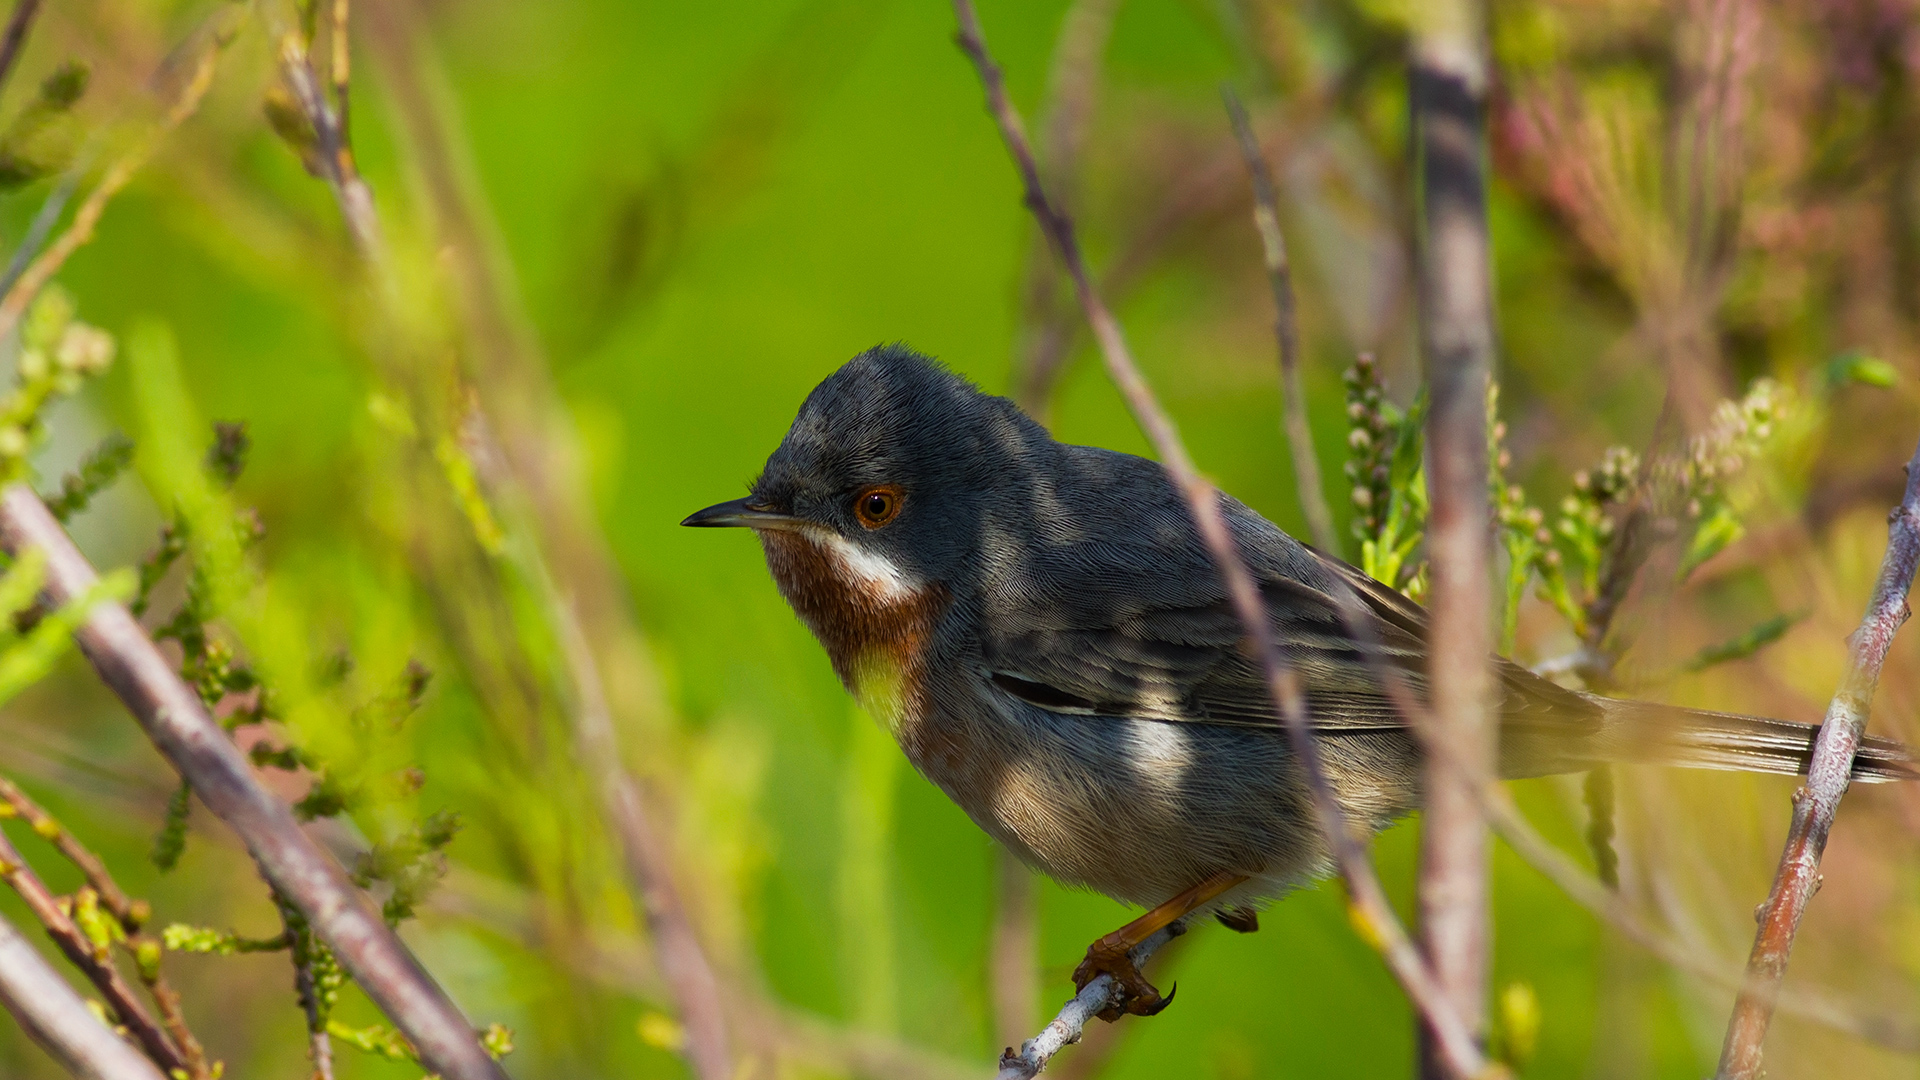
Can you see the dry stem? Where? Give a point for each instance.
(1815, 802)
(58, 1018)
(1448, 83)
(1369, 900)
(1286, 330)
(131, 914)
(94, 961)
(173, 717)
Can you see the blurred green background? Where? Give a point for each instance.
(705, 209)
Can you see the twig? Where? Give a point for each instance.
(1448, 82)
(131, 914)
(63, 841)
(41, 270)
(1266, 218)
(15, 36)
(1363, 886)
(173, 717)
(58, 1018)
(1064, 1030)
(1815, 802)
(93, 960)
(682, 961)
(548, 513)
(342, 73)
(1598, 896)
(332, 151)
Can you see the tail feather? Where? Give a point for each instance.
(1639, 731)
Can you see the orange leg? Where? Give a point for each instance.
(1108, 956)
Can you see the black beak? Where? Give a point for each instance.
(739, 514)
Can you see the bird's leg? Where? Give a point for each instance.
(1109, 955)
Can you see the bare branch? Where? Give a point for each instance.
(1363, 886)
(682, 961)
(131, 914)
(173, 717)
(1065, 1029)
(1815, 802)
(58, 1018)
(93, 960)
(1266, 218)
(1448, 81)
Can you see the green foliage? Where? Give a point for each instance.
(58, 353)
(170, 842)
(410, 863)
(40, 139)
(179, 937)
(1748, 643)
(1389, 480)
(101, 466)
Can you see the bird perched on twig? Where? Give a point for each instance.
(1042, 630)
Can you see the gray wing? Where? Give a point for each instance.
(1189, 663)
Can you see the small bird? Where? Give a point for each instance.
(1042, 630)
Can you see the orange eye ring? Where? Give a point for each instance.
(875, 506)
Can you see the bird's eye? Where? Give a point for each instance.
(878, 505)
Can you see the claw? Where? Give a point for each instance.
(1154, 1008)
(1132, 992)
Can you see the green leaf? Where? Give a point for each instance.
(29, 660)
(1855, 366)
(1746, 644)
(1720, 527)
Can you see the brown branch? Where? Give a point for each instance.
(1273, 243)
(682, 961)
(1012, 946)
(1448, 82)
(1815, 802)
(96, 962)
(1369, 900)
(15, 36)
(533, 478)
(173, 717)
(58, 1018)
(131, 914)
(14, 304)
(341, 74)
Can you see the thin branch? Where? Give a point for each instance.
(131, 914)
(1815, 802)
(682, 960)
(15, 36)
(35, 277)
(1600, 898)
(93, 960)
(1266, 218)
(173, 717)
(1066, 1028)
(58, 1018)
(1448, 82)
(1363, 886)
(342, 73)
(525, 470)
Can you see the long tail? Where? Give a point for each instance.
(1640, 731)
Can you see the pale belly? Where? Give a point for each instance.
(1141, 809)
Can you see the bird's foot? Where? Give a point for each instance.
(1132, 993)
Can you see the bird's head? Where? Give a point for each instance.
(880, 500)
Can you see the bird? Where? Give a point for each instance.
(1042, 630)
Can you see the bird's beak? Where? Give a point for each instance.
(740, 514)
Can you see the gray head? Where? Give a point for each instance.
(899, 458)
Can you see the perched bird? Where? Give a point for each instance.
(1042, 630)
